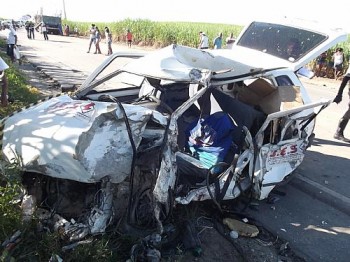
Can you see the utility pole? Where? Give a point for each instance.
(64, 10)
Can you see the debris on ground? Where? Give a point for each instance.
(242, 228)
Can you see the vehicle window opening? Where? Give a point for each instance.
(276, 39)
(284, 80)
(149, 96)
(232, 115)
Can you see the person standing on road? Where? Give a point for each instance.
(31, 30)
(26, 25)
(11, 40)
(44, 31)
(76, 31)
(66, 30)
(97, 41)
(108, 40)
(338, 60)
(203, 41)
(321, 62)
(230, 41)
(92, 32)
(3, 83)
(339, 134)
(218, 41)
(129, 38)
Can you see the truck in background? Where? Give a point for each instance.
(53, 23)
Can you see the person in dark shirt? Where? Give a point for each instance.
(339, 134)
(321, 62)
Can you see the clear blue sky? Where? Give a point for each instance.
(224, 11)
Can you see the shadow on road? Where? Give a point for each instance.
(56, 41)
(330, 171)
(320, 142)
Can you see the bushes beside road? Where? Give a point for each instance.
(20, 93)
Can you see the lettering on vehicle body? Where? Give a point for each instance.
(286, 153)
(77, 108)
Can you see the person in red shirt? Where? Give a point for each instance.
(129, 38)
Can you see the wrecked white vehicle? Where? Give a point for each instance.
(145, 133)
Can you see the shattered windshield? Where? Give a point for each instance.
(122, 80)
(285, 42)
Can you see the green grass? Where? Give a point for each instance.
(19, 91)
(159, 34)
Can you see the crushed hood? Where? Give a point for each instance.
(77, 140)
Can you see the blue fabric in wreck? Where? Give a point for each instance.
(210, 138)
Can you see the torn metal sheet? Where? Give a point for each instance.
(77, 140)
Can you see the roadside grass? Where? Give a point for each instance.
(20, 95)
(10, 192)
(47, 245)
(20, 92)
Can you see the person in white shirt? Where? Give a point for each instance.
(203, 41)
(44, 31)
(92, 36)
(11, 39)
(338, 59)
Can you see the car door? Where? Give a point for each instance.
(281, 144)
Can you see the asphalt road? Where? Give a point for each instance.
(313, 215)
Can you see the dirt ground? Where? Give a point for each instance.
(217, 244)
(214, 237)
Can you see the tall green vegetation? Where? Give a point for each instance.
(159, 34)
